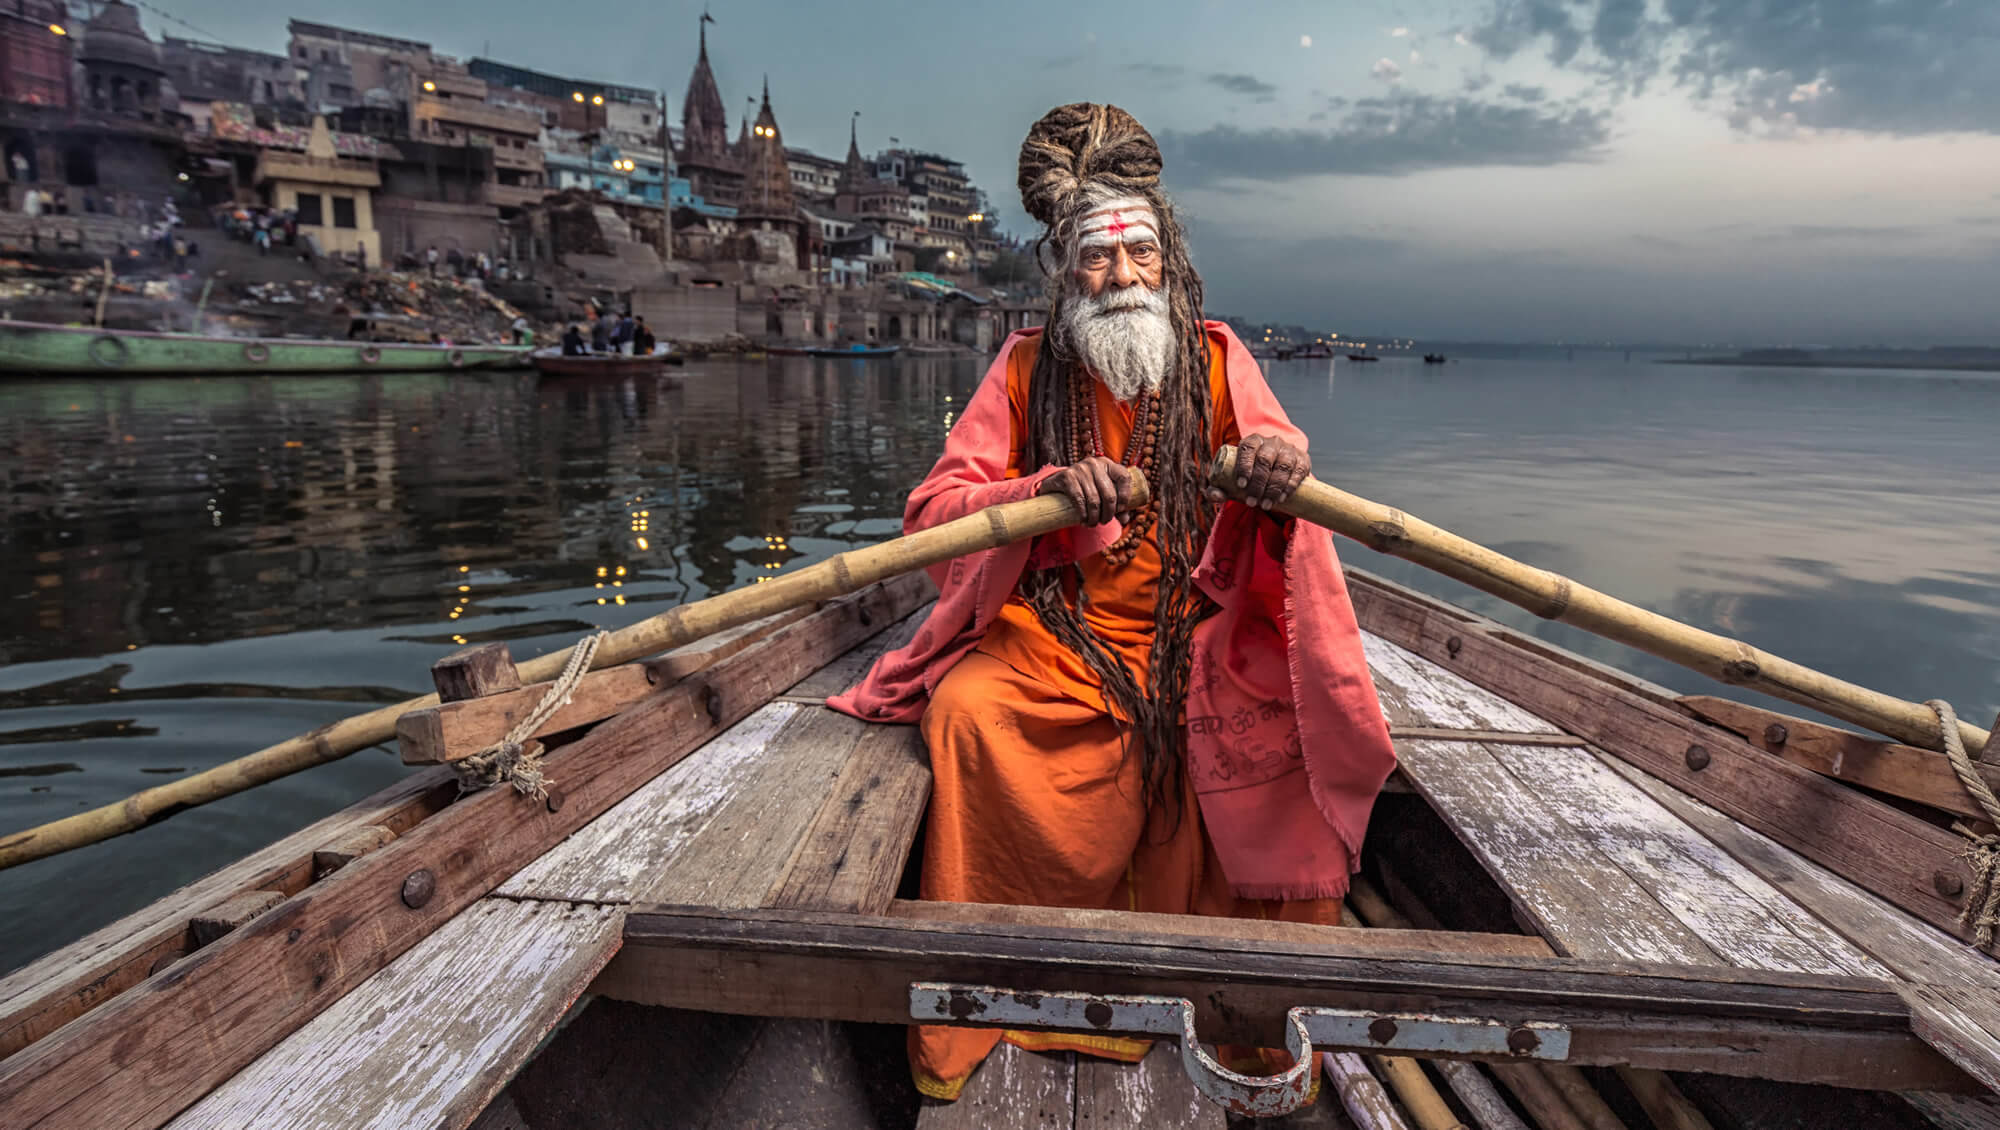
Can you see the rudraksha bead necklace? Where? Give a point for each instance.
(1086, 439)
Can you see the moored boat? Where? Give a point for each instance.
(27, 348)
(1434, 358)
(1362, 357)
(553, 363)
(856, 351)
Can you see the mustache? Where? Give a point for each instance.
(1124, 301)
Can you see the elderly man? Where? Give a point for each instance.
(1163, 710)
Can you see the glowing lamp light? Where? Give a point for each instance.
(597, 100)
(576, 94)
(429, 85)
(58, 29)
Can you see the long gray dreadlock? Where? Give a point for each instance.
(1075, 156)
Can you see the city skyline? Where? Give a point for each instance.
(1515, 170)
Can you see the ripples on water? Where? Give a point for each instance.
(196, 569)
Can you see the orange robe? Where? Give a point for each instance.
(1035, 802)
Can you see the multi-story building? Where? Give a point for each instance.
(36, 54)
(450, 107)
(814, 177)
(206, 73)
(355, 68)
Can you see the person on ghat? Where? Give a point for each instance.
(1163, 710)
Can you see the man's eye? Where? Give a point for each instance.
(1095, 258)
(1145, 251)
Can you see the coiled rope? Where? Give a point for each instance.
(1982, 902)
(517, 758)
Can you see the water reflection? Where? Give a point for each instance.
(196, 569)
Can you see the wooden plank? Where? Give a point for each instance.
(474, 672)
(1889, 851)
(140, 1059)
(1153, 1094)
(1012, 1090)
(618, 854)
(745, 847)
(1448, 734)
(1581, 902)
(1416, 694)
(1739, 917)
(213, 923)
(434, 1036)
(1960, 1025)
(458, 729)
(348, 847)
(1842, 1031)
(53, 990)
(455, 730)
(1252, 930)
(852, 856)
(847, 670)
(1922, 775)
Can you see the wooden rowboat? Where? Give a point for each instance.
(552, 363)
(722, 873)
(29, 348)
(857, 351)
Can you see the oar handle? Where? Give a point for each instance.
(1555, 597)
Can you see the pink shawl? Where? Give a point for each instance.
(1287, 745)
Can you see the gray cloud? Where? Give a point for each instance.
(1524, 92)
(1794, 233)
(1260, 90)
(1157, 70)
(1909, 67)
(1399, 133)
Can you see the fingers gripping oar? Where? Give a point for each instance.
(1558, 598)
(838, 575)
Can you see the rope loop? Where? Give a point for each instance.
(517, 758)
(1981, 913)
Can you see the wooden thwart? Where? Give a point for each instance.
(139, 1059)
(1842, 1031)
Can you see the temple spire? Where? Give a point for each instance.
(706, 20)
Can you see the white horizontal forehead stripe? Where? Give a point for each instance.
(1134, 232)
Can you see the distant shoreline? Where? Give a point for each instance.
(1966, 365)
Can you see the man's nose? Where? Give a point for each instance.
(1123, 271)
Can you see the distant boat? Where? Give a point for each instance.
(1314, 352)
(1434, 358)
(28, 347)
(552, 363)
(1362, 357)
(857, 350)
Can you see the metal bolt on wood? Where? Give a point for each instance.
(1697, 758)
(418, 888)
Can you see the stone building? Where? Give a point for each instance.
(333, 196)
(712, 165)
(207, 73)
(767, 213)
(36, 54)
(344, 67)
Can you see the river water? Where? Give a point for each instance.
(194, 569)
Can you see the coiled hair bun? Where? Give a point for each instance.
(1080, 147)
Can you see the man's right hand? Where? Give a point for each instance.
(1100, 487)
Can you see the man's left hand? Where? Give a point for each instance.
(1268, 470)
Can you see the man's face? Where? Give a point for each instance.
(1118, 247)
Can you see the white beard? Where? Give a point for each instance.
(1124, 337)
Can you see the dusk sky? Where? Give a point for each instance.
(1666, 170)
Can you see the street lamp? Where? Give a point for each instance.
(597, 99)
(577, 95)
(430, 86)
(58, 29)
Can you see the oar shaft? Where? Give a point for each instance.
(838, 575)
(1555, 597)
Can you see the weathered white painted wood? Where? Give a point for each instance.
(431, 1038)
(1416, 692)
(1577, 899)
(1012, 1090)
(1745, 920)
(1153, 1094)
(616, 855)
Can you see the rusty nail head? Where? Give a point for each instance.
(1948, 884)
(1382, 1030)
(1776, 734)
(418, 888)
(712, 701)
(1697, 758)
(1452, 645)
(553, 797)
(1521, 1041)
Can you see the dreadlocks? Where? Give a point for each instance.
(1075, 157)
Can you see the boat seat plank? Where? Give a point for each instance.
(846, 671)
(431, 1038)
(1416, 692)
(1575, 897)
(852, 856)
(1153, 1094)
(609, 859)
(1012, 1090)
(1743, 919)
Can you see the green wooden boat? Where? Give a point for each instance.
(27, 347)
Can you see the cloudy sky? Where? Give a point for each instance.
(1663, 170)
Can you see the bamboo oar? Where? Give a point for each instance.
(839, 575)
(1554, 597)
